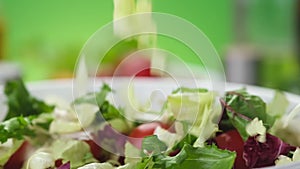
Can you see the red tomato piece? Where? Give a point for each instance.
(143, 130)
(231, 140)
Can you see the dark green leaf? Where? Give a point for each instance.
(21, 103)
(188, 139)
(208, 157)
(242, 107)
(110, 112)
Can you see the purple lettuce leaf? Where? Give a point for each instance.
(111, 140)
(67, 165)
(257, 154)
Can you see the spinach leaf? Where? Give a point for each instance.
(241, 108)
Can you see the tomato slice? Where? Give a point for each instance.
(143, 130)
(231, 140)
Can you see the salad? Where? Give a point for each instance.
(195, 128)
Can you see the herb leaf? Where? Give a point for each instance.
(16, 127)
(21, 103)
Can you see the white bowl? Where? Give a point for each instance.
(144, 89)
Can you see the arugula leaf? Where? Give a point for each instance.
(152, 145)
(242, 107)
(17, 128)
(208, 157)
(21, 103)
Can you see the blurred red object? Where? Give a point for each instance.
(133, 65)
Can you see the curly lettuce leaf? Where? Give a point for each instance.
(189, 107)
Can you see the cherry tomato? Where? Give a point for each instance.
(231, 140)
(143, 130)
(17, 160)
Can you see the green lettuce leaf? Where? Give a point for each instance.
(277, 107)
(76, 151)
(152, 145)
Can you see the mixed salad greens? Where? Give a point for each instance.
(194, 130)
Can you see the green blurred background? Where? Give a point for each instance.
(45, 37)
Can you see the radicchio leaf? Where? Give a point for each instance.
(111, 140)
(257, 154)
(65, 166)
